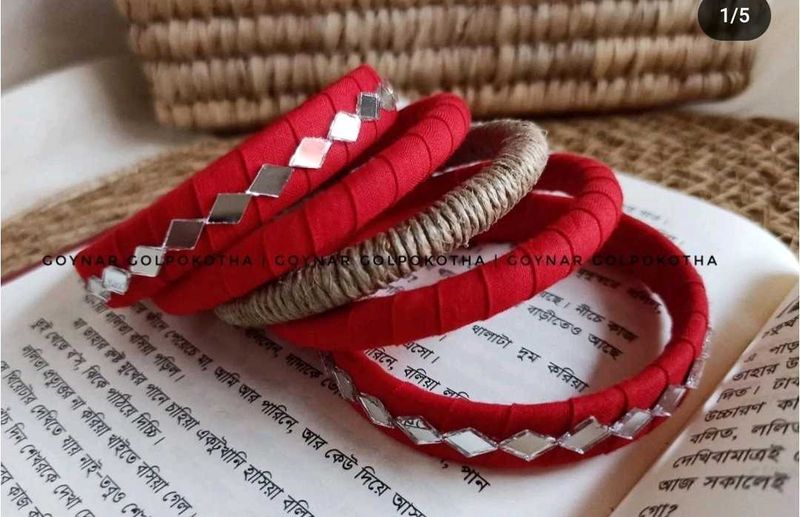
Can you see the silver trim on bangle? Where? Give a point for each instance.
(228, 208)
(526, 445)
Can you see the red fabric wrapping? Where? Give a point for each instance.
(424, 136)
(679, 286)
(492, 287)
(233, 173)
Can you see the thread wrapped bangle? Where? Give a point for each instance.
(519, 153)
(520, 435)
(279, 165)
(424, 136)
(492, 287)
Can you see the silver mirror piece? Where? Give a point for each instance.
(183, 234)
(310, 154)
(528, 445)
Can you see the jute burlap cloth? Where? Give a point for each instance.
(749, 166)
(234, 64)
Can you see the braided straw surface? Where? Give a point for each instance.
(519, 153)
(748, 166)
(234, 64)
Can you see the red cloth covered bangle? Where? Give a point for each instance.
(490, 288)
(518, 435)
(424, 136)
(291, 157)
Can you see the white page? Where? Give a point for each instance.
(738, 455)
(762, 267)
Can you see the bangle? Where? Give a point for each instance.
(519, 435)
(520, 152)
(278, 165)
(491, 287)
(424, 136)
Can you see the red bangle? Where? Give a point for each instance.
(424, 136)
(492, 287)
(519, 435)
(281, 164)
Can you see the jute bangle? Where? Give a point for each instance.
(489, 288)
(519, 153)
(279, 165)
(424, 136)
(519, 435)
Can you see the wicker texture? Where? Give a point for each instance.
(747, 166)
(233, 64)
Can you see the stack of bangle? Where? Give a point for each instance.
(366, 228)
(518, 435)
(490, 288)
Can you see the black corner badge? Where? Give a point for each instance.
(734, 20)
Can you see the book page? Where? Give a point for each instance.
(739, 454)
(133, 412)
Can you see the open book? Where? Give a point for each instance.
(133, 412)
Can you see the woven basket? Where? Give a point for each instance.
(234, 64)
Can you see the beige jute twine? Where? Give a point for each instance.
(519, 153)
